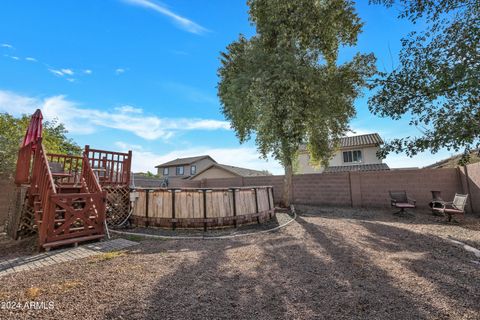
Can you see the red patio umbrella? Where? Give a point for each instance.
(34, 130)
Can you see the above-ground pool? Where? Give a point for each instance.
(202, 208)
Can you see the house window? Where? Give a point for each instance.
(193, 170)
(165, 171)
(352, 156)
(179, 171)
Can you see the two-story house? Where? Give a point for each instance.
(184, 168)
(356, 153)
(203, 167)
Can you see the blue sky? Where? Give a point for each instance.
(141, 74)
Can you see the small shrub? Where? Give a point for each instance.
(107, 256)
(32, 293)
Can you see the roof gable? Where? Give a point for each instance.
(238, 171)
(184, 161)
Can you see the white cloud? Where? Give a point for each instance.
(31, 59)
(359, 131)
(67, 71)
(6, 45)
(11, 57)
(247, 157)
(182, 22)
(87, 71)
(119, 71)
(85, 121)
(17, 104)
(56, 72)
(63, 72)
(128, 109)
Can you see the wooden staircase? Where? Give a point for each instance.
(65, 212)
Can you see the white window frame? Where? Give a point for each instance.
(180, 170)
(193, 170)
(351, 155)
(166, 171)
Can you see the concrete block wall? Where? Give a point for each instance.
(470, 179)
(222, 183)
(275, 181)
(374, 186)
(7, 191)
(322, 189)
(180, 183)
(360, 189)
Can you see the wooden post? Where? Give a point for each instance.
(269, 205)
(234, 209)
(204, 210)
(147, 191)
(174, 224)
(128, 168)
(256, 205)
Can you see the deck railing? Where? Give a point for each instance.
(43, 186)
(22, 174)
(89, 178)
(70, 164)
(113, 168)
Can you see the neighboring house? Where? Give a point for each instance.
(184, 168)
(454, 161)
(216, 170)
(356, 153)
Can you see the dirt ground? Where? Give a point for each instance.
(328, 264)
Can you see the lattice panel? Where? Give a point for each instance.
(118, 205)
(21, 219)
(27, 226)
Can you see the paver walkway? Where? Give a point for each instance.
(62, 255)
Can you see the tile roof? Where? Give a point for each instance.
(238, 171)
(356, 141)
(358, 167)
(361, 140)
(244, 172)
(184, 161)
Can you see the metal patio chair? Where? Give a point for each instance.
(401, 200)
(456, 207)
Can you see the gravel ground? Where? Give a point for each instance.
(329, 263)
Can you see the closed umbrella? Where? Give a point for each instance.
(34, 130)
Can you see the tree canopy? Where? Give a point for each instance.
(12, 132)
(284, 85)
(437, 81)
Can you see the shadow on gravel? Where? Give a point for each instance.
(444, 264)
(417, 216)
(373, 292)
(309, 272)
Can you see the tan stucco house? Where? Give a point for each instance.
(216, 170)
(356, 153)
(184, 168)
(202, 167)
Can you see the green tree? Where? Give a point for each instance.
(285, 86)
(437, 82)
(12, 132)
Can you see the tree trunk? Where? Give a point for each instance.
(288, 185)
